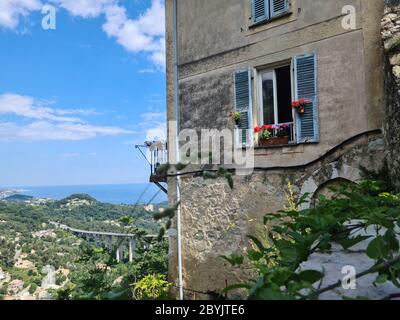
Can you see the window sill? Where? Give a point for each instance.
(280, 146)
(276, 146)
(267, 21)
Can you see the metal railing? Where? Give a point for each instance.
(288, 128)
(158, 156)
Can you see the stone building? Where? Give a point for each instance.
(256, 57)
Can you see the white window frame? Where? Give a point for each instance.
(260, 103)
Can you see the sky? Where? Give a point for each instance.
(75, 100)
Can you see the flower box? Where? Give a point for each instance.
(273, 141)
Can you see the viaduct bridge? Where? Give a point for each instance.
(121, 241)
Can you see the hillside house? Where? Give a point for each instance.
(257, 57)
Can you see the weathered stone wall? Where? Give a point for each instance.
(216, 220)
(391, 37)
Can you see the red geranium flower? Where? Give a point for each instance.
(258, 129)
(268, 127)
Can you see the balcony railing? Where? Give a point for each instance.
(289, 129)
(156, 154)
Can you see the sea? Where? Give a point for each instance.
(112, 193)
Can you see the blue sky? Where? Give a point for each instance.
(75, 100)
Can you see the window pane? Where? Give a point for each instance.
(268, 97)
(284, 94)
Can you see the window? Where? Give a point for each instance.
(263, 10)
(275, 87)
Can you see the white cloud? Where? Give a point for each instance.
(47, 131)
(12, 10)
(145, 34)
(84, 8)
(29, 107)
(147, 71)
(81, 112)
(153, 123)
(48, 123)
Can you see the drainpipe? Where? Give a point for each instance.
(177, 118)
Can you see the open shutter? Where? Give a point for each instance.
(260, 10)
(306, 88)
(243, 104)
(278, 7)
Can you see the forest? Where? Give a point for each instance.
(30, 245)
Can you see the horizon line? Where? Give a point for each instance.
(72, 185)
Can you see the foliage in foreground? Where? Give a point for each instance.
(291, 236)
(152, 287)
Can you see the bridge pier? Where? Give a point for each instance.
(109, 243)
(132, 249)
(120, 252)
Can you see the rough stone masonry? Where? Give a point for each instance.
(391, 39)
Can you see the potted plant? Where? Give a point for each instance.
(300, 105)
(236, 116)
(266, 135)
(282, 134)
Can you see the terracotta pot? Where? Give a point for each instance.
(273, 141)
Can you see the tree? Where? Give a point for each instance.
(293, 235)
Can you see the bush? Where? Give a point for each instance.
(151, 287)
(292, 236)
(33, 288)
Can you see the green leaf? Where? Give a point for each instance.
(237, 286)
(180, 166)
(391, 240)
(310, 276)
(257, 243)
(229, 178)
(374, 250)
(270, 294)
(209, 175)
(381, 279)
(303, 199)
(289, 253)
(351, 242)
(254, 255)
(234, 259)
(161, 234)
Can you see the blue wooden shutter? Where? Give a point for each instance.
(306, 88)
(260, 10)
(243, 104)
(278, 7)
